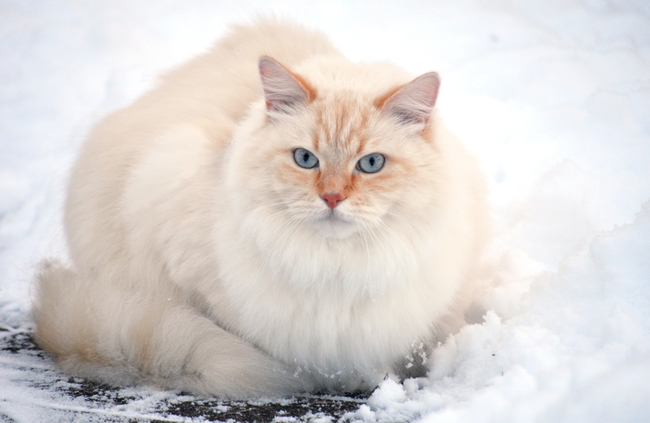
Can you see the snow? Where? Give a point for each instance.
(553, 97)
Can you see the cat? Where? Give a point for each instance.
(270, 219)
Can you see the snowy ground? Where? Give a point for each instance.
(552, 96)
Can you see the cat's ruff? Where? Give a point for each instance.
(208, 256)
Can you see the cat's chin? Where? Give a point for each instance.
(335, 226)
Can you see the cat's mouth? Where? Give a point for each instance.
(335, 224)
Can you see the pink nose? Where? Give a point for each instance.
(332, 199)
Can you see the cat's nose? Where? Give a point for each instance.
(332, 199)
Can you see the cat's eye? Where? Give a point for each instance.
(371, 163)
(305, 158)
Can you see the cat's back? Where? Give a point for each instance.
(206, 97)
(219, 85)
(226, 78)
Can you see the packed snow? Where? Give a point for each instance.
(553, 97)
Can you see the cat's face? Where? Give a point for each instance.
(338, 163)
(344, 172)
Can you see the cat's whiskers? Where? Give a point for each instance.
(288, 227)
(296, 224)
(289, 224)
(276, 212)
(276, 204)
(402, 218)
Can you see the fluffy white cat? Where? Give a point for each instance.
(271, 219)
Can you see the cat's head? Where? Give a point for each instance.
(335, 159)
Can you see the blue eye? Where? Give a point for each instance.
(371, 163)
(305, 158)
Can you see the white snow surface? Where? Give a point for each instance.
(553, 97)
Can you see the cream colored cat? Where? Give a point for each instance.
(271, 219)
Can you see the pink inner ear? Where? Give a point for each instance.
(414, 102)
(282, 89)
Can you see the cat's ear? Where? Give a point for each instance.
(413, 102)
(283, 90)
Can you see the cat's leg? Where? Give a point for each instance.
(97, 331)
(194, 354)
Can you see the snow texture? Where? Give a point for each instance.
(553, 97)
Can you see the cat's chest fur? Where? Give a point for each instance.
(340, 311)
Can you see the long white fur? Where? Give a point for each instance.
(195, 266)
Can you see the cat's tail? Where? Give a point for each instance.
(98, 331)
